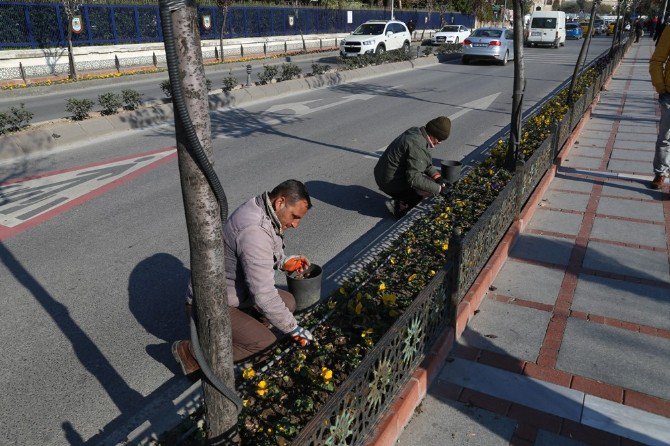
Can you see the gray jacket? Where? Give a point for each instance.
(254, 249)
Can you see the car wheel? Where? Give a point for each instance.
(503, 62)
(405, 47)
(381, 49)
(465, 60)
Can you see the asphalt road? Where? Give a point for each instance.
(92, 293)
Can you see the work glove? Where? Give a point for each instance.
(444, 188)
(301, 335)
(296, 263)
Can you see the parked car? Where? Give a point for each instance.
(376, 37)
(450, 34)
(573, 31)
(585, 28)
(547, 28)
(495, 44)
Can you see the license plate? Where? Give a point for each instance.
(480, 44)
(536, 33)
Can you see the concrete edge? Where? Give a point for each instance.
(40, 139)
(402, 409)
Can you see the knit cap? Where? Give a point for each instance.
(439, 127)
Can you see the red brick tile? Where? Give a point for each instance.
(597, 319)
(404, 408)
(647, 402)
(483, 401)
(553, 344)
(525, 431)
(387, 432)
(663, 333)
(518, 441)
(548, 351)
(466, 352)
(546, 360)
(597, 388)
(446, 391)
(579, 315)
(648, 330)
(500, 361)
(628, 442)
(546, 374)
(587, 434)
(542, 420)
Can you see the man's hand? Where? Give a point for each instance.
(301, 335)
(444, 188)
(296, 264)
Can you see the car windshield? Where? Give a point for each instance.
(449, 29)
(369, 29)
(571, 26)
(543, 22)
(495, 33)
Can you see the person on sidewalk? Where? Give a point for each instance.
(405, 171)
(638, 30)
(660, 79)
(254, 249)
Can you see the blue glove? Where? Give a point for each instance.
(301, 335)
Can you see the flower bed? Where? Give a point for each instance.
(372, 333)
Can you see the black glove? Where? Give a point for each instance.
(445, 188)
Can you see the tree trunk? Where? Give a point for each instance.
(203, 221)
(70, 54)
(513, 155)
(582, 54)
(224, 11)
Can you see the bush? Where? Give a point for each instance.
(15, 119)
(230, 82)
(289, 71)
(131, 99)
(375, 59)
(427, 51)
(167, 89)
(450, 48)
(79, 108)
(269, 73)
(318, 70)
(110, 103)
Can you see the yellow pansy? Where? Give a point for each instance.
(248, 373)
(326, 374)
(359, 308)
(389, 299)
(382, 286)
(411, 278)
(366, 332)
(445, 246)
(431, 273)
(392, 260)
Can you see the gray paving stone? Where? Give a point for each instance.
(626, 301)
(545, 438)
(625, 144)
(582, 162)
(542, 248)
(578, 150)
(616, 356)
(566, 182)
(639, 128)
(633, 155)
(628, 232)
(567, 201)
(631, 189)
(507, 329)
(631, 209)
(451, 423)
(594, 134)
(594, 142)
(530, 282)
(556, 221)
(599, 126)
(628, 261)
(645, 138)
(629, 166)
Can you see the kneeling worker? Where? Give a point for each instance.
(405, 171)
(254, 248)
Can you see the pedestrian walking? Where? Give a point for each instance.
(405, 171)
(660, 78)
(638, 30)
(254, 248)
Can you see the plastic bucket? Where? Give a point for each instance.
(306, 290)
(451, 171)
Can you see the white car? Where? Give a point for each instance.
(451, 34)
(376, 37)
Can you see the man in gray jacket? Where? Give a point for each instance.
(254, 249)
(405, 171)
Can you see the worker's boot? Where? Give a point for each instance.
(181, 350)
(657, 182)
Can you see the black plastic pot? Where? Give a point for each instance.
(306, 290)
(451, 171)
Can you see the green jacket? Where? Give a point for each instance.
(407, 163)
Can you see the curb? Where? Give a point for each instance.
(390, 427)
(51, 135)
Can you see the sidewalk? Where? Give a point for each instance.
(571, 345)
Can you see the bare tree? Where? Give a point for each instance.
(224, 6)
(71, 9)
(513, 155)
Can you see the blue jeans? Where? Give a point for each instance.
(662, 155)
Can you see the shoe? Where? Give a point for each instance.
(181, 350)
(657, 182)
(391, 206)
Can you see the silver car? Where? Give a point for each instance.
(495, 44)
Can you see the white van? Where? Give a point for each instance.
(547, 28)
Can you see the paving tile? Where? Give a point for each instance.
(530, 282)
(646, 138)
(567, 182)
(629, 232)
(556, 221)
(626, 301)
(594, 142)
(545, 438)
(625, 421)
(629, 166)
(631, 209)
(616, 356)
(628, 261)
(546, 397)
(582, 162)
(578, 150)
(599, 126)
(567, 201)
(624, 144)
(595, 134)
(507, 329)
(451, 423)
(542, 248)
(633, 155)
(631, 189)
(640, 128)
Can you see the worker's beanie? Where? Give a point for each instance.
(439, 127)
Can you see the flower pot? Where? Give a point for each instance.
(306, 289)
(451, 171)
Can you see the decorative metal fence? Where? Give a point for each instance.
(36, 25)
(352, 412)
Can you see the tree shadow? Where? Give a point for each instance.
(351, 197)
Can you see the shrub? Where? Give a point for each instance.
(110, 103)
(375, 59)
(427, 51)
(269, 73)
(131, 99)
(289, 71)
(230, 82)
(318, 70)
(15, 119)
(79, 108)
(167, 89)
(450, 48)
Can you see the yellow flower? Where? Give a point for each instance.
(411, 278)
(445, 246)
(326, 374)
(366, 332)
(389, 299)
(359, 308)
(263, 385)
(359, 296)
(382, 286)
(248, 373)
(431, 273)
(343, 291)
(408, 250)
(331, 304)
(392, 260)
(261, 392)
(246, 403)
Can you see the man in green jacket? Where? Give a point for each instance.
(405, 171)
